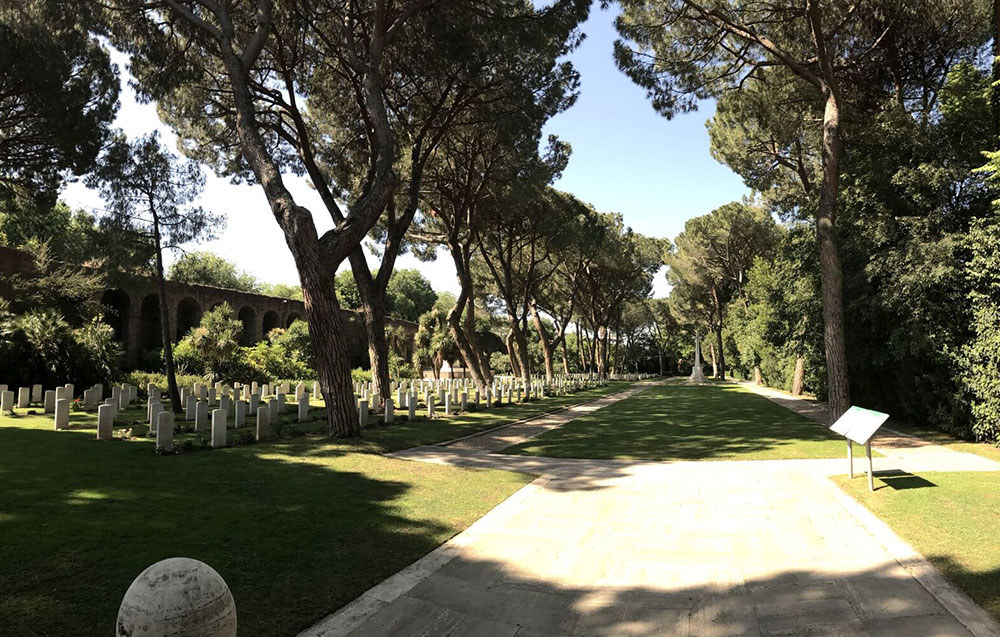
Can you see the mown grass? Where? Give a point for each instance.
(951, 518)
(297, 526)
(677, 421)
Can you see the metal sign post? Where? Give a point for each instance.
(859, 425)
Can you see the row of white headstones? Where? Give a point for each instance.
(268, 401)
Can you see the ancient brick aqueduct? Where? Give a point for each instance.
(133, 310)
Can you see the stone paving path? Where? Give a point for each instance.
(604, 547)
(900, 450)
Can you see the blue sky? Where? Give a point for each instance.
(626, 158)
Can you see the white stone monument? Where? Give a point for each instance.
(697, 375)
(177, 596)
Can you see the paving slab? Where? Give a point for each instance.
(612, 547)
(706, 548)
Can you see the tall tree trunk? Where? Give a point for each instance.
(832, 275)
(798, 378)
(378, 348)
(515, 366)
(521, 349)
(663, 369)
(719, 317)
(470, 358)
(565, 357)
(715, 361)
(545, 342)
(472, 336)
(602, 336)
(465, 336)
(168, 343)
(329, 347)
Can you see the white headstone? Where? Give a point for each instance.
(272, 407)
(430, 405)
(363, 413)
(6, 401)
(36, 393)
(241, 414)
(218, 428)
(105, 422)
(190, 408)
(23, 397)
(164, 430)
(254, 402)
(303, 408)
(62, 414)
(388, 411)
(201, 416)
(263, 423)
(154, 416)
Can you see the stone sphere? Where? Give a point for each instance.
(177, 596)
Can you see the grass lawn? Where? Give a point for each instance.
(951, 518)
(297, 527)
(403, 435)
(677, 421)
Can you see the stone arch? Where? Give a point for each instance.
(150, 330)
(248, 317)
(116, 312)
(294, 316)
(188, 316)
(271, 321)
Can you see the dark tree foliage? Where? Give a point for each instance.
(58, 94)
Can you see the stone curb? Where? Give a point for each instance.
(956, 602)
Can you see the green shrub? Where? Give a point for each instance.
(359, 375)
(41, 347)
(142, 379)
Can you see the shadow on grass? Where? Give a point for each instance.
(688, 422)
(294, 536)
(898, 480)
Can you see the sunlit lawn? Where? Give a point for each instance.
(677, 421)
(951, 518)
(297, 527)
